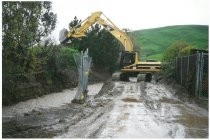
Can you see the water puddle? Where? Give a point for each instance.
(196, 125)
(130, 100)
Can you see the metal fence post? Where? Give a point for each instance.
(176, 69)
(197, 74)
(188, 62)
(174, 65)
(181, 70)
(201, 76)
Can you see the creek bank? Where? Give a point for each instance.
(39, 85)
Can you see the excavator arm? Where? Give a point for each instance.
(80, 29)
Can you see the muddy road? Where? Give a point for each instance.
(117, 110)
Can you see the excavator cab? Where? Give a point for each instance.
(127, 58)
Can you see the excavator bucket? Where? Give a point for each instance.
(63, 36)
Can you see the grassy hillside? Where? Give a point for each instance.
(151, 43)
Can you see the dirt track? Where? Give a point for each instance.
(119, 110)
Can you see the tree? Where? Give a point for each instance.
(103, 47)
(23, 25)
(74, 41)
(26, 22)
(177, 49)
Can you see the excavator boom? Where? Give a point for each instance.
(80, 29)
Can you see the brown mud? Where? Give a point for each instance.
(119, 110)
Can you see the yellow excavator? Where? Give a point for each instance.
(129, 63)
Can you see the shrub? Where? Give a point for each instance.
(65, 58)
(177, 49)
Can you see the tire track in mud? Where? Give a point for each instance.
(149, 110)
(133, 115)
(162, 114)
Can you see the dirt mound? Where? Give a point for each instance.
(107, 87)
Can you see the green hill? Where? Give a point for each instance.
(151, 43)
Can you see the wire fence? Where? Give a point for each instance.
(192, 73)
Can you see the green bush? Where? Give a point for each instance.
(177, 49)
(65, 58)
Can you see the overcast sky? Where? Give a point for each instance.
(134, 14)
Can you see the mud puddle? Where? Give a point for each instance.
(195, 123)
(130, 100)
